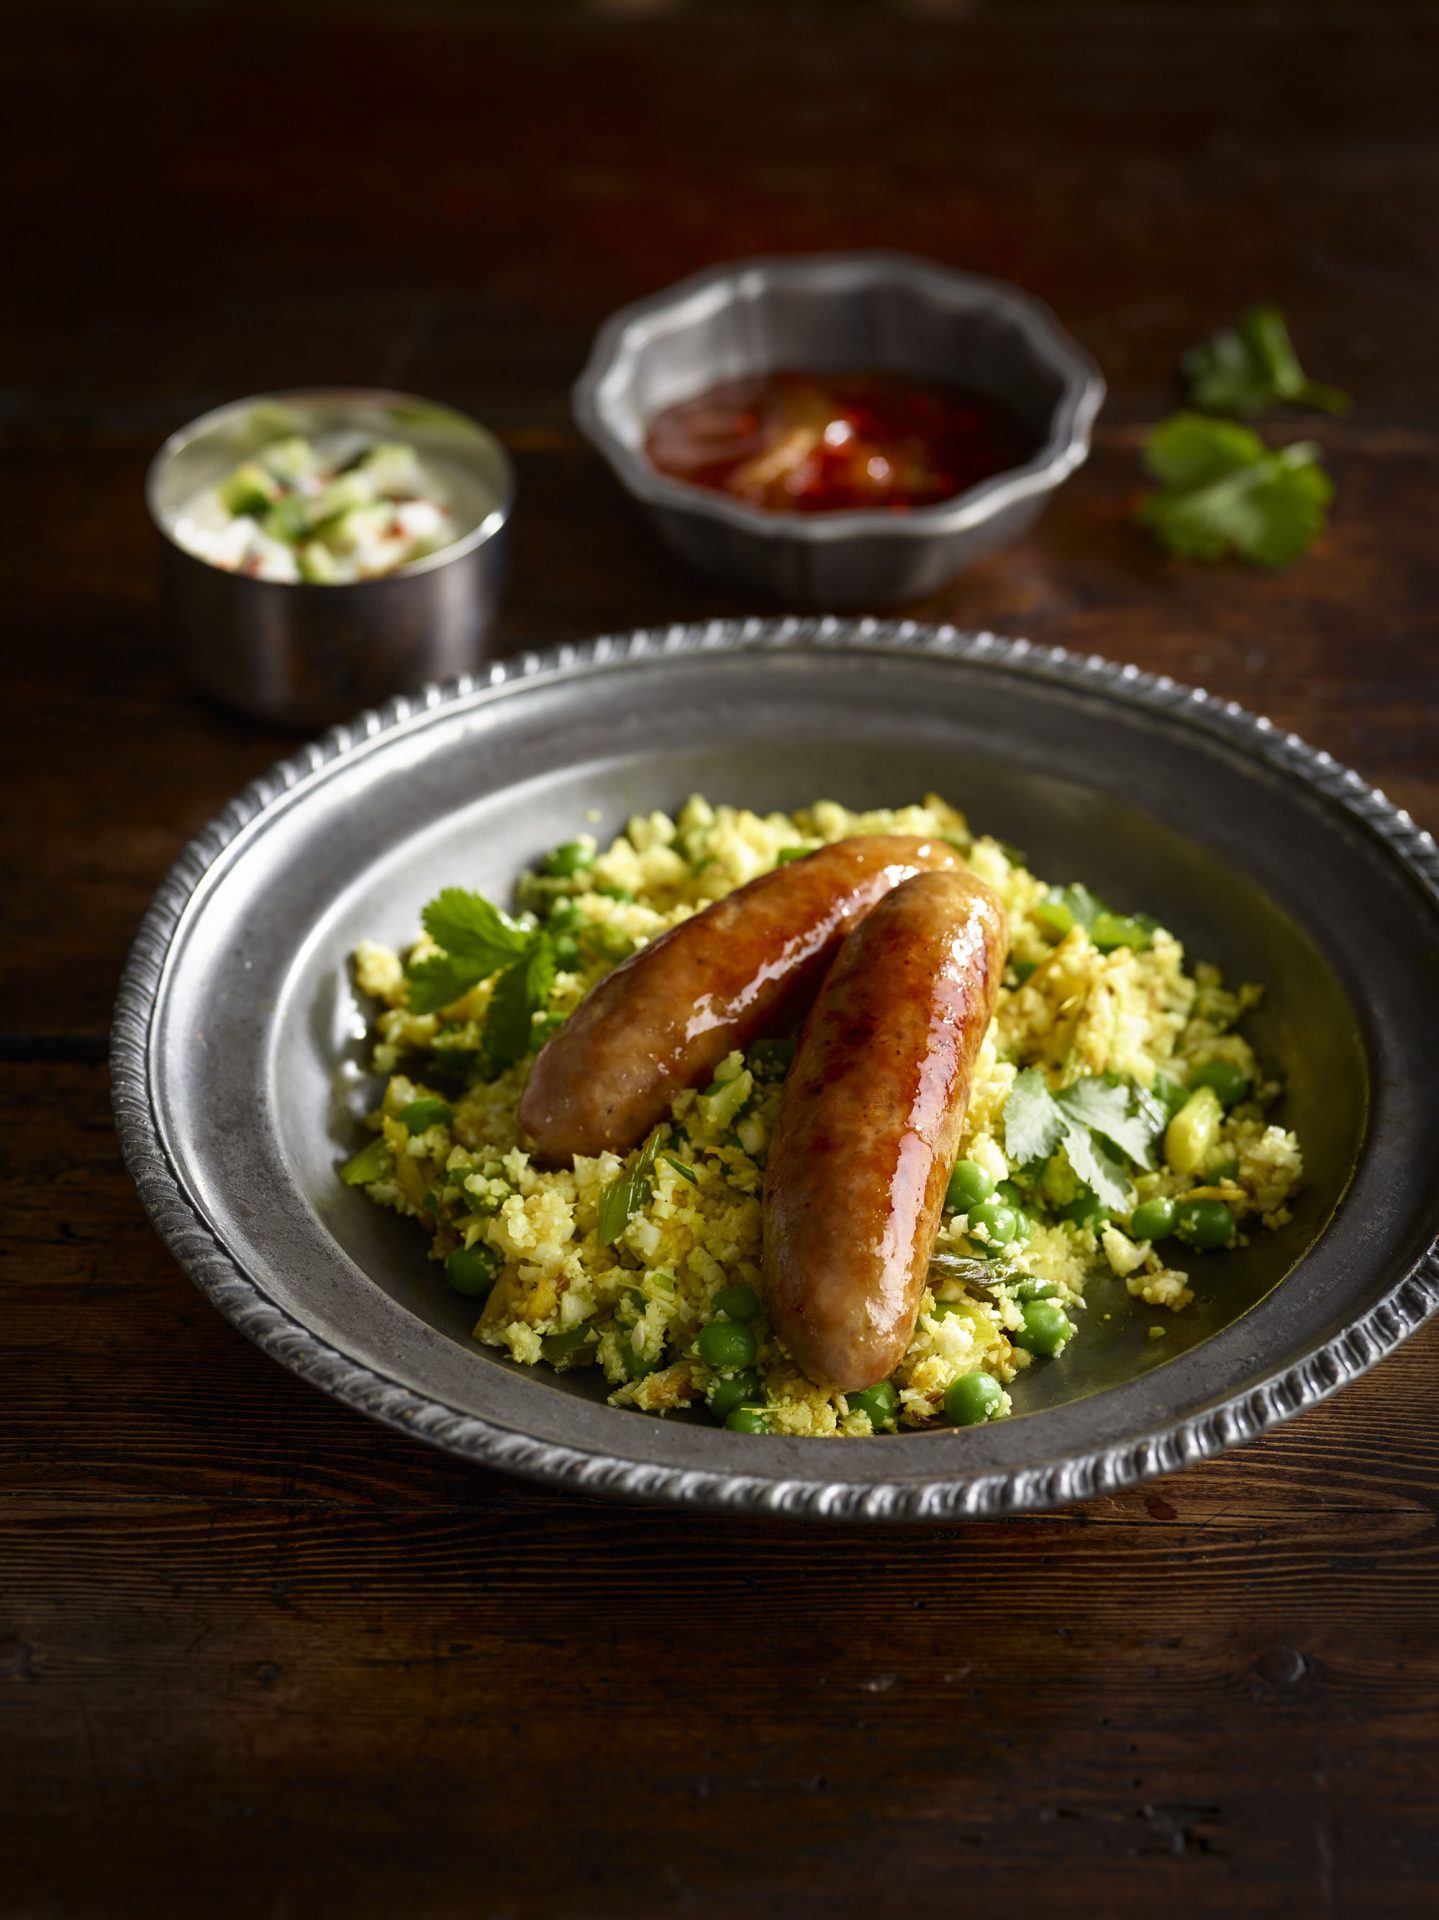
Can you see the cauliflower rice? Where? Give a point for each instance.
(560, 1291)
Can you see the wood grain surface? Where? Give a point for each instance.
(259, 1656)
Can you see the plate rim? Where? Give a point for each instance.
(828, 1494)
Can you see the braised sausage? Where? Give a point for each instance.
(870, 1124)
(666, 1018)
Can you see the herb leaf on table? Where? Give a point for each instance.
(1250, 369)
(1222, 491)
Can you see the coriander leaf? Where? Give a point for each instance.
(468, 926)
(1248, 369)
(435, 982)
(625, 1194)
(507, 1018)
(519, 993)
(1104, 1108)
(1156, 1116)
(686, 1173)
(1033, 1123)
(1188, 451)
(1098, 1168)
(1268, 512)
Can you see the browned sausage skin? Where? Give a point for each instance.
(870, 1124)
(667, 1017)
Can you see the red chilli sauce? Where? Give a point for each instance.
(822, 443)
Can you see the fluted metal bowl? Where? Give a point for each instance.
(240, 1067)
(832, 313)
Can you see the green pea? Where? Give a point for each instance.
(564, 915)
(1152, 1219)
(1035, 1290)
(566, 951)
(1226, 1170)
(968, 1185)
(739, 1302)
(726, 1343)
(1226, 1079)
(1023, 1226)
(425, 1113)
(473, 1270)
(972, 1398)
(997, 1220)
(880, 1402)
(736, 1390)
(616, 893)
(1046, 1327)
(1086, 1211)
(1205, 1224)
(1009, 1193)
(572, 856)
(747, 1420)
(786, 854)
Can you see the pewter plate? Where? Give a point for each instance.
(239, 1071)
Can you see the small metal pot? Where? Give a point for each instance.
(839, 313)
(303, 655)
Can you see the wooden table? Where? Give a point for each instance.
(258, 1656)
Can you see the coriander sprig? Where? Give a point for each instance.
(481, 942)
(1220, 489)
(1250, 369)
(1098, 1124)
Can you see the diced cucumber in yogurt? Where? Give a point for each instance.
(288, 520)
(359, 529)
(343, 494)
(326, 512)
(393, 470)
(290, 461)
(249, 489)
(318, 565)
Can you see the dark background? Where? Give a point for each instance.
(258, 1656)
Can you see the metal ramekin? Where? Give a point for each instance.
(304, 655)
(833, 313)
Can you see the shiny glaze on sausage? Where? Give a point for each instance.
(870, 1125)
(743, 967)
